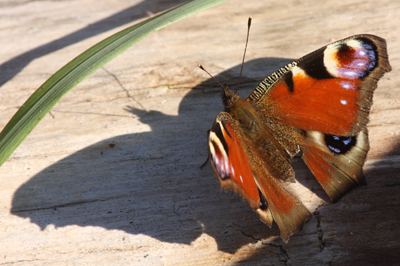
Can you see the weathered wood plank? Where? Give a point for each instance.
(112, 177)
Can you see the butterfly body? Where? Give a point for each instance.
(317, 105)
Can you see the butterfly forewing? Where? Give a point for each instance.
(239, 167)
(229, 160)
(329, 90)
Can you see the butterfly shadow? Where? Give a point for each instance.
(359, 229)
(151, 183)
(13, 66)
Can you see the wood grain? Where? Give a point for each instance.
(112, 175)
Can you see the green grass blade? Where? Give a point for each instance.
(44, 98)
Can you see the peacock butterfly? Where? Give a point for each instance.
(317, 106)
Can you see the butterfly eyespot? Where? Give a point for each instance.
(338, 144)
(352, 59)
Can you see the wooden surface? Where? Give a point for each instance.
(112, 176)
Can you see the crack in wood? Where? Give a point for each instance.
(320, 231)
(283, 255)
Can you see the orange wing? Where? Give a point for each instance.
(336, 162)
(328, 95)
(250, 178)
(329, 90)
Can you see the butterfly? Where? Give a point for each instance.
(316, 107)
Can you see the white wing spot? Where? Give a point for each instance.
(347, 85)
(241, 179)
(350, 73)
(344, 102)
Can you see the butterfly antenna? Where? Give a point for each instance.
(244, 54)
(204, 164)
(222, 85)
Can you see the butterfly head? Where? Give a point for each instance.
(229, 97)
(242, 112)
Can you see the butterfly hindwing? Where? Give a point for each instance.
(336, 161)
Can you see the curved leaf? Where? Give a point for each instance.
(44, 98)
